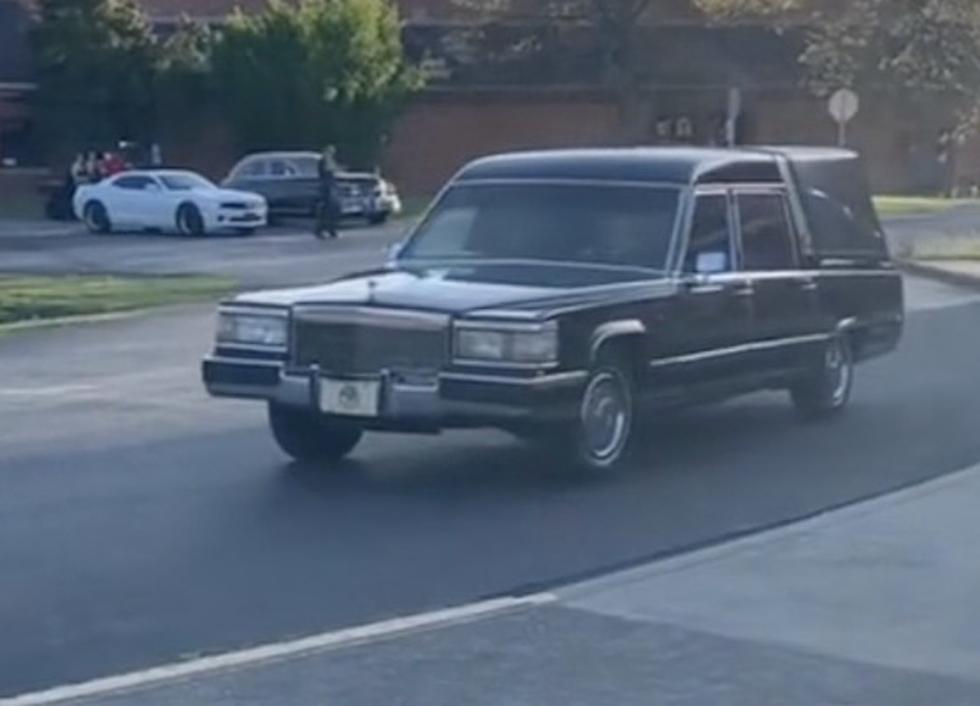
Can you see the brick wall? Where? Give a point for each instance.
(439, 133)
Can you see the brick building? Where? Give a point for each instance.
(522, 82)
(16, 84)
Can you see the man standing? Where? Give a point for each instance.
(328, 209)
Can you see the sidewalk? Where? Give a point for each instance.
(871, 605)
(959, 273)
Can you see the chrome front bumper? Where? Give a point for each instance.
(454, 398)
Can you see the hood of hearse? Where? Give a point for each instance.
(467, 288)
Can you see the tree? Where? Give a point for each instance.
(922, 55)
(183, 81)
(322, 71)
(616, 26)
(620, 30)
(744, 8)
(96, 62)
(923, 52)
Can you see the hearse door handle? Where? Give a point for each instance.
(706, 288)
(702, 285)
(807, 284)
(743, 289)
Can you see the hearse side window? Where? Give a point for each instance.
(838, 229)
(710, 234)
(766, 236)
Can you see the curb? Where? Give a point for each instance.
(58, 322)
(940, 274)
(32, 324)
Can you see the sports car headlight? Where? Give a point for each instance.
(533, 343)
(253, 328)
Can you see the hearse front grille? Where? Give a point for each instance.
(366, 340)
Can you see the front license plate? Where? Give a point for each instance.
(356, 398)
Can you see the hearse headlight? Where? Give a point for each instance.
(253, 328)
(507, 343)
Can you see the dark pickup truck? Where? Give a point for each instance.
(563, 295)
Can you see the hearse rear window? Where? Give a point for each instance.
(615, 224)
(837, 201)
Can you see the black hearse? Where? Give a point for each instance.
(560, 295)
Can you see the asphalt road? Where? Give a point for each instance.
(276, 256)
(141, 522)
(289, 254)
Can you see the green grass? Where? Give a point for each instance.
(916, 205)
(37, 298)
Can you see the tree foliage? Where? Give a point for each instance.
(184, 71)
(922, 51)
(325, 71)
(96, 62)
(620, 33)
(745, 8)
(295, 75)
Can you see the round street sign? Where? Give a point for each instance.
(844, 105)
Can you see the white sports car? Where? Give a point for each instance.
(166, 199)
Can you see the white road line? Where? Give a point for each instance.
(278, 651)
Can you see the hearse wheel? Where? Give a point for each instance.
(306, 435)
(599, 439)
(826, 389)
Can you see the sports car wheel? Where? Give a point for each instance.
(96, 218)
(190, 222)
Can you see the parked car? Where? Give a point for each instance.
(58, 189)
(290, 183)
(167, 199)
(564, 295)
(57, 192)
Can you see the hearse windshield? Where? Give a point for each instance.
(614, 224)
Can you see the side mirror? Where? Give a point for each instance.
(151, 187)
(709, 263)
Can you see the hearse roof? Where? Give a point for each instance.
(675, 165)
